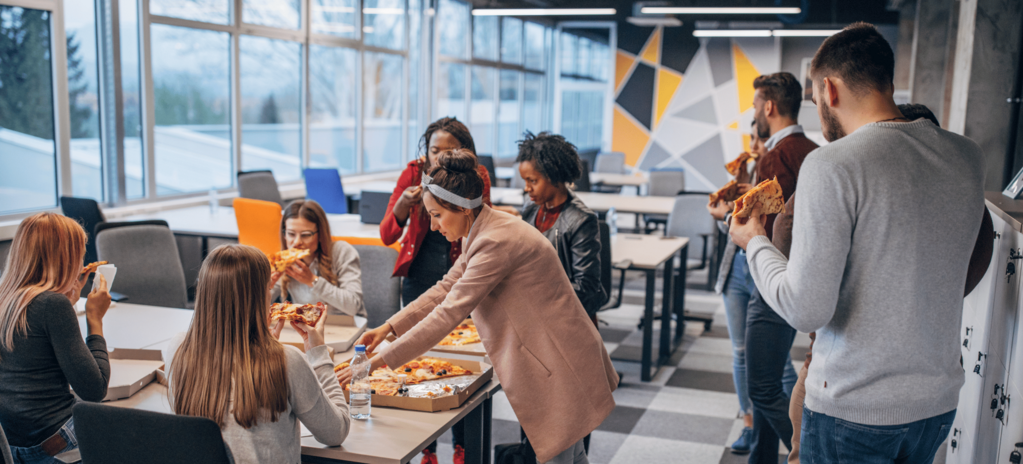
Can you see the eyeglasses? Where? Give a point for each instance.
(291, 235)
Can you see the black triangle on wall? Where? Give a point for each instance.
(637, 96)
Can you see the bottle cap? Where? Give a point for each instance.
(360, 348)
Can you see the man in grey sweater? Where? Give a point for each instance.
(882, 238)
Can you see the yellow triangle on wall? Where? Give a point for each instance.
(623, 64)
(628, 137)
(745, 142)
(734, 125)
(667, 82)
(652, 51)
(745, 73)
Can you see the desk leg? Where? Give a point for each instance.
(680, 294)
(488, 429)
(648, 324)
(666, 311)
(475, 436)
(205, 247)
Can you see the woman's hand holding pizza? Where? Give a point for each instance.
(301, 273)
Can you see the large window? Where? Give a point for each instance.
(209, 11)
(334, 17)
(584, 61)
(481, 112)
(83, 101)
(333, 104)
(27, 150)
(382, 148)
(131, 85)
(192, 106)
(509, 114)
(271, 103)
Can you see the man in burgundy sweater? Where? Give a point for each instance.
(768, 337)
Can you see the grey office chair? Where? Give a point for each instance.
(516, 180)
(663, 183)
(112, 435)
(689, 219)
(149, 268)
(609, 163)
(582, 184)
(5, 448)
(381, 293)
(259, 185)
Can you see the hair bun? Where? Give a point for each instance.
(458, 160)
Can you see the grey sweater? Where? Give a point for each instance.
(883, 231)
(314, 397)
(345, 297)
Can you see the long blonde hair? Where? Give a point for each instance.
(311, 211)
(228, 352)
(46, 255)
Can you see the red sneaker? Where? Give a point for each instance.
(459, 456)
(428, 457)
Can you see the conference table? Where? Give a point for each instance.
(604, 178)
(596, 201)
(390, 436)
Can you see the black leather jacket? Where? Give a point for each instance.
(576, 237)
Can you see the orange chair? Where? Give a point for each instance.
(259, 224)
(366, 241)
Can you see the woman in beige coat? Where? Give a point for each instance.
(546, 351)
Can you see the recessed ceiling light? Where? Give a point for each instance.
(543, 12)
(719, 10)
(806, 32)
(732, 33)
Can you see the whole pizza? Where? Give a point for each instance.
(386, 381)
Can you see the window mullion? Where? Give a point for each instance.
(111, 101)
(61, 113)
(236, 94)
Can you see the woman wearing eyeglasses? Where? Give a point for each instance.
(330, 274)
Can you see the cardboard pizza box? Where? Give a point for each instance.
(473, 350)
(340, 332)
(443, 403)
(131, 370)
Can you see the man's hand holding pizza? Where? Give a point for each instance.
(742, 230)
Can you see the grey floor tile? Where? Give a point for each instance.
(614, 334)
(707, 362)
(684, 427)
(697, 402)
(649, 450)
(635, 397)
(505, 432)
(702, 380)
(604, 445)
(622, 420)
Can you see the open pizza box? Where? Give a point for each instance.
(131, 370)
(443, 403)
(340, 332)
(470, 349)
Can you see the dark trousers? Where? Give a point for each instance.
(768, 342)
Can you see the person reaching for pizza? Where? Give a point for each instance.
(230, 368)
(329, 273)
(552, 364)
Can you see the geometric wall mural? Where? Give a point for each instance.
(697, 109)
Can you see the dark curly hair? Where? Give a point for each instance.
(552, 155)
(450, 125)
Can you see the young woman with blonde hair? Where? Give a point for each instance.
(331, 274)
(230, 368)
(41, 348)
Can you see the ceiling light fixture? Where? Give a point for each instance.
(544, 12)
(765, 32)
(806, 32)
(719, 10)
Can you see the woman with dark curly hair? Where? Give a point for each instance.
(548, 164)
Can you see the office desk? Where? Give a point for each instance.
(221, 223)
(135, 326)
(620, 180)
(646, 253)
(599, 202)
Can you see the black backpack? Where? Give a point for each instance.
(515, 453)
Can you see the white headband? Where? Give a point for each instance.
(449, 197)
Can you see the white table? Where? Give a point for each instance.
(600, 202)
(646, 253)
(133, 326)
(621, 180)
(221, 223)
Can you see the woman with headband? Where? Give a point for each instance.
(552, 364)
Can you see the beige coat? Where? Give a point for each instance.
(549, 357)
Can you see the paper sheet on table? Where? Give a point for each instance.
(305, 432)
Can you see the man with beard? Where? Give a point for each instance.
(769, 370)
(869, 270)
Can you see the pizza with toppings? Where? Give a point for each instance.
(730, 192)
(767, 194)
(386, 381)
(464, 334)
(306, 313)
(735, 165)
(92, 267)
(282, 259)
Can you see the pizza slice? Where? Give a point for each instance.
(307, 313)
(735, 165)
(92, 267)
(464, 334)
(767, 194)
(282, 259)
(730, 192)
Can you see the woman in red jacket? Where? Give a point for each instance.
(426, 255)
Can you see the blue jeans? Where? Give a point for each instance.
(737, 293)
(771, 378)
(827, 439)
(35, 454)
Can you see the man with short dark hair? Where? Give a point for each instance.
(869, 270)
(769, 370)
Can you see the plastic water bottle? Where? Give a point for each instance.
(213, 201)
(612, 221)
(360, 392)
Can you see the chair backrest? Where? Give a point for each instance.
(86, 211)
(666, 182)
(259, 185)
(381, 293)
(324, 186)
(113, 435)
(612, 163)
(589, 156)
(689, 218)
(606, 271)
(259, 224)
(373, 206)
(149, 267)
(517, 182)
(5, 449)
(488, 162)
(582, 184)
